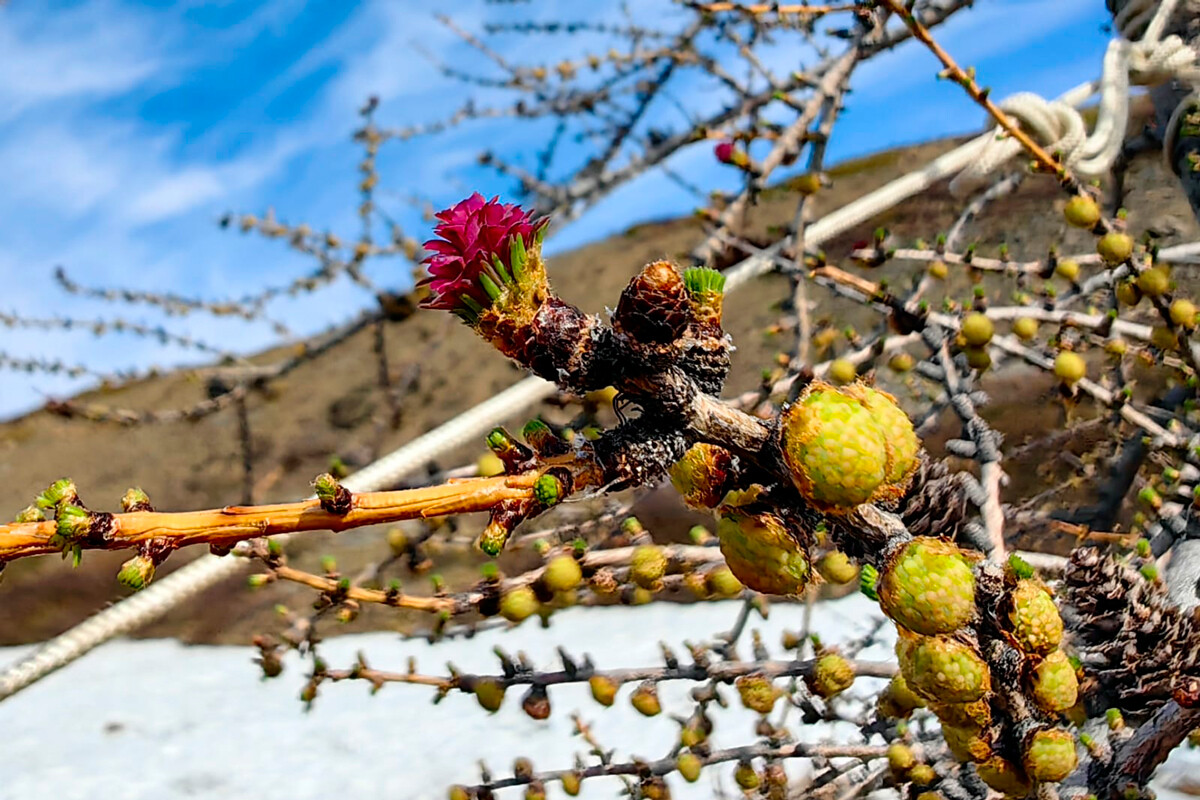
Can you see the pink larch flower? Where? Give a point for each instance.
(473, 236)
(724, 152)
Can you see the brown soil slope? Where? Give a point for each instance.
(195, 465)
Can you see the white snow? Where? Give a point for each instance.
(137, 720)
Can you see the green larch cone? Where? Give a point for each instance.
(942, 669)
(967, 743)
(836, 446)
(1054, 684)
(1049, 755)
(700, 476)
(757, 693)
(1036, 623)
(904, 448)
(897, 701)
(831, 675)
(1004, 776)
(928, 587)
(761, 553)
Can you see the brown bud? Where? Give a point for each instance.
(536, 703)
(654, 309)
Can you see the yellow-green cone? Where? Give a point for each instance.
(1035, 619)
(928, 587)
(1054, 684)
(942, 669)
(761, 552)
(835, 448)
(1050, 755)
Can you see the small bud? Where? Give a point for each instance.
(745, 776)
(758, 693)
(1069, 367)
(922, 775)
(842, 371)
(604, 689)
(334, 498)
(1025, 328)
(723, 583)
(647, 566)
(831, 675)
(72, 523)
(489, 693)
(536, 703)
(30, 513)
(1154, 282)
(645, 699)
(1049, 755)
(1115, 247)
(61, 492)
(900, 759)
(1082, 211)
(1183, 313)
(1068, 270)
(571, 783)
(562, 573)
(689, 766)
(518, 603)
(549, 489)
(258, 580)
(136, 573)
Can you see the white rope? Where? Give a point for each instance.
(161, 596)
(1148, 61)
(208, 570)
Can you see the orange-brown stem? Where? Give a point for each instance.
(229, 525)
(1044, 160)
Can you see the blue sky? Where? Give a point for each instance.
(127, 129)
